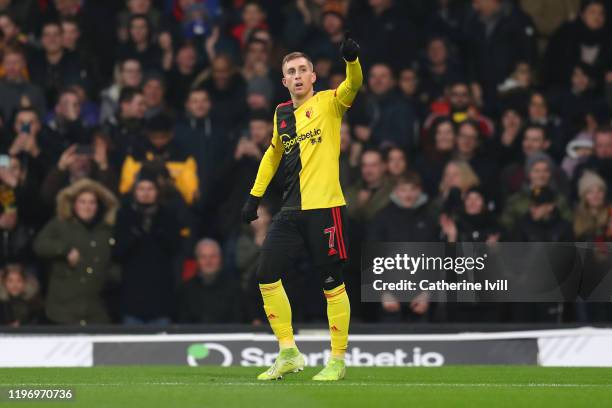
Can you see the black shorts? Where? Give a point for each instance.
(320, 232)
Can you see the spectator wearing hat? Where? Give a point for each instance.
(204, 298)
(159, 146)
(147, 236)
(77, 246)
(20, 302)
(535, 143)
(578, 151)
(593, 215)
(543, 222)
(540, 171)
(601, 161)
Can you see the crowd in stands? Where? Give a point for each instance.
(131, 132)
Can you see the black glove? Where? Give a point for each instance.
(249, 210)
(349, 48)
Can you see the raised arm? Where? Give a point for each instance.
(348, 89)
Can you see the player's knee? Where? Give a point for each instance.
(331, 277)
(267, 272)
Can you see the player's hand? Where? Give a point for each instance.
(349, 48)
(249, 211)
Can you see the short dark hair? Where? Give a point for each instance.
(295, 55)
(409, 177)
(538, 127)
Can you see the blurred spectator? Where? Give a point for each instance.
(160, 146)
(471, 147)
(371, 193)
(543, 221)
(383, 116)
(252, 17)
(498, 36)
(227, 88)
(141, 44)
(248, 248)
(473, 223)
(154, 93)
(20, 303)
(397, 163)
(601, 161)
(66, 127)
(539, 170)
(136, 7)
(592, 216)
(53, 68)
(129, 75)
(16, 91)
(77, 245)
(204, 298)
(383, 23)
(408, 217)
(182, 75)
(459, 107)
(458, 177)
(147, 235)
(584, 39)
(437, 151)
(127, 127)
(350, 153)
(202, 136)
(439, 69)
(538, 113)
(578, 151)
(77, 162)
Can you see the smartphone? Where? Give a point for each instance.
(84, 149)
(5, 161)
(26, 127)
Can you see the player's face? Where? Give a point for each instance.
(298, 77)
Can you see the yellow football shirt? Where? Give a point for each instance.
(307, 139)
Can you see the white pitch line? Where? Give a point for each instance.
(318, 384)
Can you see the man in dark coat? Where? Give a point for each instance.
(147, 240)
(211, 296)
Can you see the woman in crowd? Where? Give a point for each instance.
(76, 245)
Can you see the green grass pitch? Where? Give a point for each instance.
(449, 387)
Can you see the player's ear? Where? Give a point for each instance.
(313, 77)
(284, 81)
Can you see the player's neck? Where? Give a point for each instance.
(300, 100)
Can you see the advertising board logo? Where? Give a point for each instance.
(201, 351)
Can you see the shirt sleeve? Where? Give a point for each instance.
(348, 89)
(269, 164)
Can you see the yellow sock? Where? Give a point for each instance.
(338, 316)
(278, 311)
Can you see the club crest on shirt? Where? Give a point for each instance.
(309, 113)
